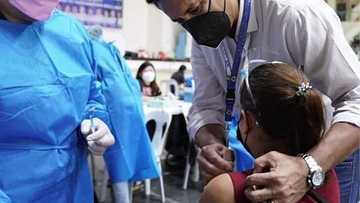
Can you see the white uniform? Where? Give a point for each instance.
(306, 32)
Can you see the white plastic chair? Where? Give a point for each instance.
(168, 85)
(189, 164)
(162, 122)
(196, 172)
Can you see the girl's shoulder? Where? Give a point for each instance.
(224, 188)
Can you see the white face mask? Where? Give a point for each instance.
(148, 77)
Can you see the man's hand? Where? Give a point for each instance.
(98, 136)
(277, 177)
(214, 158)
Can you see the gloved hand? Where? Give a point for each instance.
(98, 136)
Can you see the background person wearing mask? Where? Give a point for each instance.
(146, 76)
(304, 34)
(52, 108)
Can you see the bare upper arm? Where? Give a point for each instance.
(219, 190)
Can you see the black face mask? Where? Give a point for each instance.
(243, 142)
(209, 29)
(2, 17)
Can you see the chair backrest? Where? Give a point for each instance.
(170, 86)
(174, 87)
(162, 123)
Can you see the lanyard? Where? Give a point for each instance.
(244, 161)
(231, 79)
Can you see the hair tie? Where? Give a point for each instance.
(303, 89)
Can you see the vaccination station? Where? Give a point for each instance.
(179, 101)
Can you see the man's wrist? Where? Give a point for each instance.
(304, 171)
(303, 167)
(211, 139)
(315, 175)
(210, 134)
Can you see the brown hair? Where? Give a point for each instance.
(155, 89)
(279, 110)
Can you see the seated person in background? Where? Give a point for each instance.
(179, 75)
(146, 76)
(281, 112)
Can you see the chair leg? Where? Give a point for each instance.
(196, 174)
(121, 192)
(147, 187)
(186, 177)
(187, 168)
(162, 189)
(161, 183)
(131, 192)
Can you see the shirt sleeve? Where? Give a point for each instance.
(238, 180)
(318, 41)
(96, 106)
(208, 103)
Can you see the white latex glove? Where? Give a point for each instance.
(98, 136)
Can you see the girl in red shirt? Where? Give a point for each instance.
(281, 112)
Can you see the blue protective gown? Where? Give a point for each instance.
(131, 158)
(47, 86)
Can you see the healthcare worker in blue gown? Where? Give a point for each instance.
(52, 110)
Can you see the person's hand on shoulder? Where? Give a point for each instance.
(281, 179)
(214, 157)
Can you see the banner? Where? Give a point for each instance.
(107, 13)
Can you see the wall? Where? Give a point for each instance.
(135, 26)
(162, 32)
(145, 27)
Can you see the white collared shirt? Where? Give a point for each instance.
(305, 32)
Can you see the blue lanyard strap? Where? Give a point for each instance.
(244, 161)
(231, 80)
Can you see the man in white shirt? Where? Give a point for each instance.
(301, 33)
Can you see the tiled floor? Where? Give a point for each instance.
(173, 191)
(173, 181)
